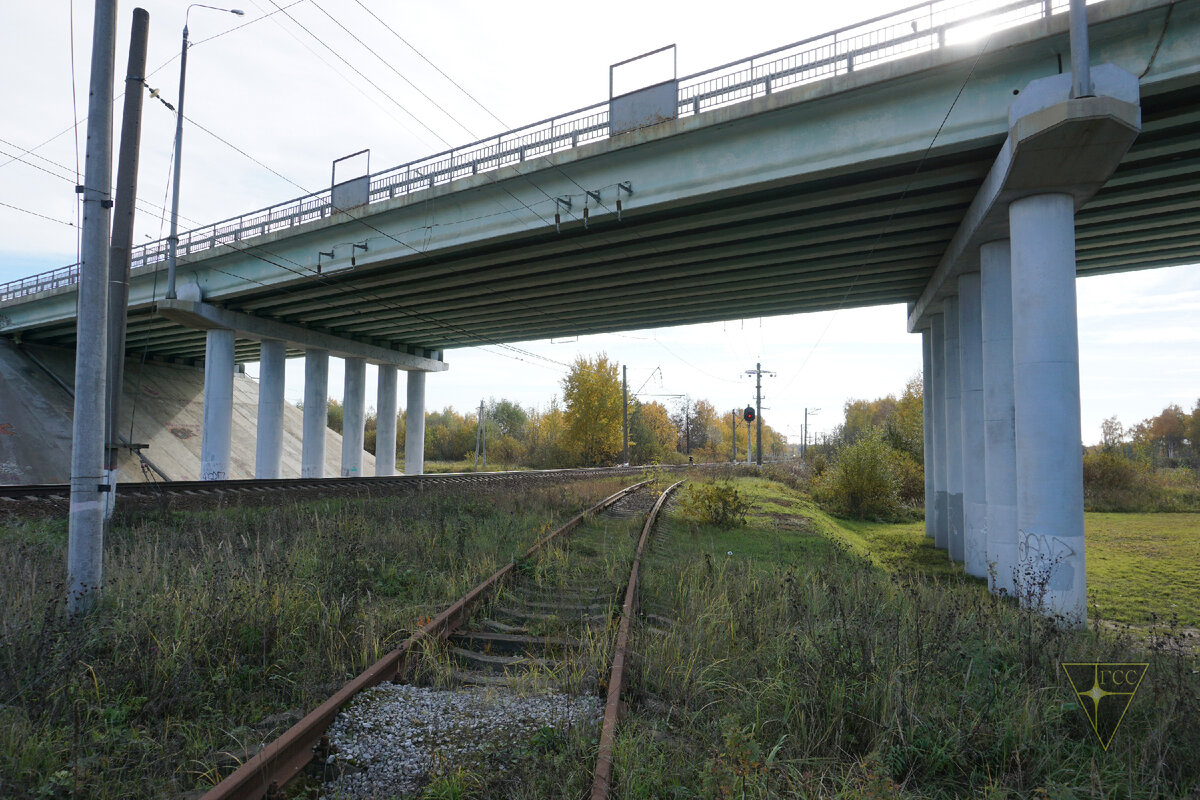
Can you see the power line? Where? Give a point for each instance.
(359, 73)
(410, 46)
(895, 207)
(80, 120)
(389, 65)
(36, 214)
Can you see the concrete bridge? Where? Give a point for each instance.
(936, 156)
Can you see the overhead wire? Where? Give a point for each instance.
(423, 57)
(37, 214)
(80, 120)
(895, 207)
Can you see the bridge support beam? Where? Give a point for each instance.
(316, 398)
(954, 449)
(941, 507)
(999, 431)
(385, 422)
(973, 460)
(353, 412)
(414, 429)
(268, 454)
(1046, 392)
(927, 395)
(215, 440)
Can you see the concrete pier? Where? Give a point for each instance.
(941, 508)
(316, 399)
(927, 427)
(973, 460)
(268, 454)
(353, 417)
(998, 424)
(954, 476)
(414, 429)
(385, 422)
(1049, 465)
(218, 405)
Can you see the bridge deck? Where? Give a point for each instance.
(828, 193)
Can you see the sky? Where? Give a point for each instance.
(271, 103)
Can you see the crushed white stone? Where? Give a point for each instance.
(393, 737)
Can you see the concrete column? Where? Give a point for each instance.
(970, 333)
(941, 497)
(353, 417)
(316, 399)
(954, 486)
(1000, 448)
(927, 428)
(268, 455)
(218, 405)
(385, 424)
(414, 429)
(1046, 398)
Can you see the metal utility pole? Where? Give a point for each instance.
(119, 250)
(804, 447)
(481, 438)
(687, 428)
(757, 372)
(173, 238)
(85, 545)
(625, 413)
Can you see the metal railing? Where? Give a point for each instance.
(917, 29)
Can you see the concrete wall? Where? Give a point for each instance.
(35, 421)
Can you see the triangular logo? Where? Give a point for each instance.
(1104, 692)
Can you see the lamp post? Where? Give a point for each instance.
(173, 239)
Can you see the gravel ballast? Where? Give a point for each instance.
(393, 737)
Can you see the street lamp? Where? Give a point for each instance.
(173, 239)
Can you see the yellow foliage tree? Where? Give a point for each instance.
(592, 394)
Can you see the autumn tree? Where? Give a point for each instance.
(652, 436)
(1111, 432)
(509, 417)
(863, 415)
(544, 432)
(592, 394)
(1169, 428)
(905, 425)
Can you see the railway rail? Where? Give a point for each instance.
(471, 632)
(244, 490)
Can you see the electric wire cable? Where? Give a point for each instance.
(883, 230)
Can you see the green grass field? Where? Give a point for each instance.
(1139, 565)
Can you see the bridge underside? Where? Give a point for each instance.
(824, 196)
(810, 246)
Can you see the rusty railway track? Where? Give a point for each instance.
(261, 488)
(265, 775)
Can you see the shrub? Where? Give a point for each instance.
(1107, 472)
(714, 503)
(1112, 482)
(863, 482)
(910, 478)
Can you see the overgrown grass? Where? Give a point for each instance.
(217, 629)
(800, 667)
(1112, 482)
